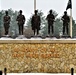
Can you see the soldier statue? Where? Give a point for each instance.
(65, 18)
(21, 22)
(36, 21)
(50, 18)
(6, 20)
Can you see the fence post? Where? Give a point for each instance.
(0, 72)
(72, 71)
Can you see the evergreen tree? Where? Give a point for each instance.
(0, 22)
(2, 13)
(58, 27)
(74, 28)
(13, 24)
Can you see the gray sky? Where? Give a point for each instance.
(45, 5)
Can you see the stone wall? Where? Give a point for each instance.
(38, 57)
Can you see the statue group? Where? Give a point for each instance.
(36, 22)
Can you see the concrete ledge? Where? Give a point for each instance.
(18, 41)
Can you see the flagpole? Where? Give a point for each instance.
(34, 4)
(71, 23)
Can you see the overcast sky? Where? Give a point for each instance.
(45, 5)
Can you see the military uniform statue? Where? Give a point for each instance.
(21, 21)
(6, 20)
(65, 18)
(35, 23)
(50, 18)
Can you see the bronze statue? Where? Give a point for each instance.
(65, 18)
(21, 22)
(50, 18)
(6, 20)
(36, 21)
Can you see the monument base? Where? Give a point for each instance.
(38, 56)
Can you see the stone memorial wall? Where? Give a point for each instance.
(22, 56)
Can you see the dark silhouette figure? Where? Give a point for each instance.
(21, 22)
(50, 18)
(5, 71)
(65, 18)
(72, 71)
(36, 21)
(6, 20)
(0, 72)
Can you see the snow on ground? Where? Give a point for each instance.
(39, 74)
(22, 37)
(35, 38)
